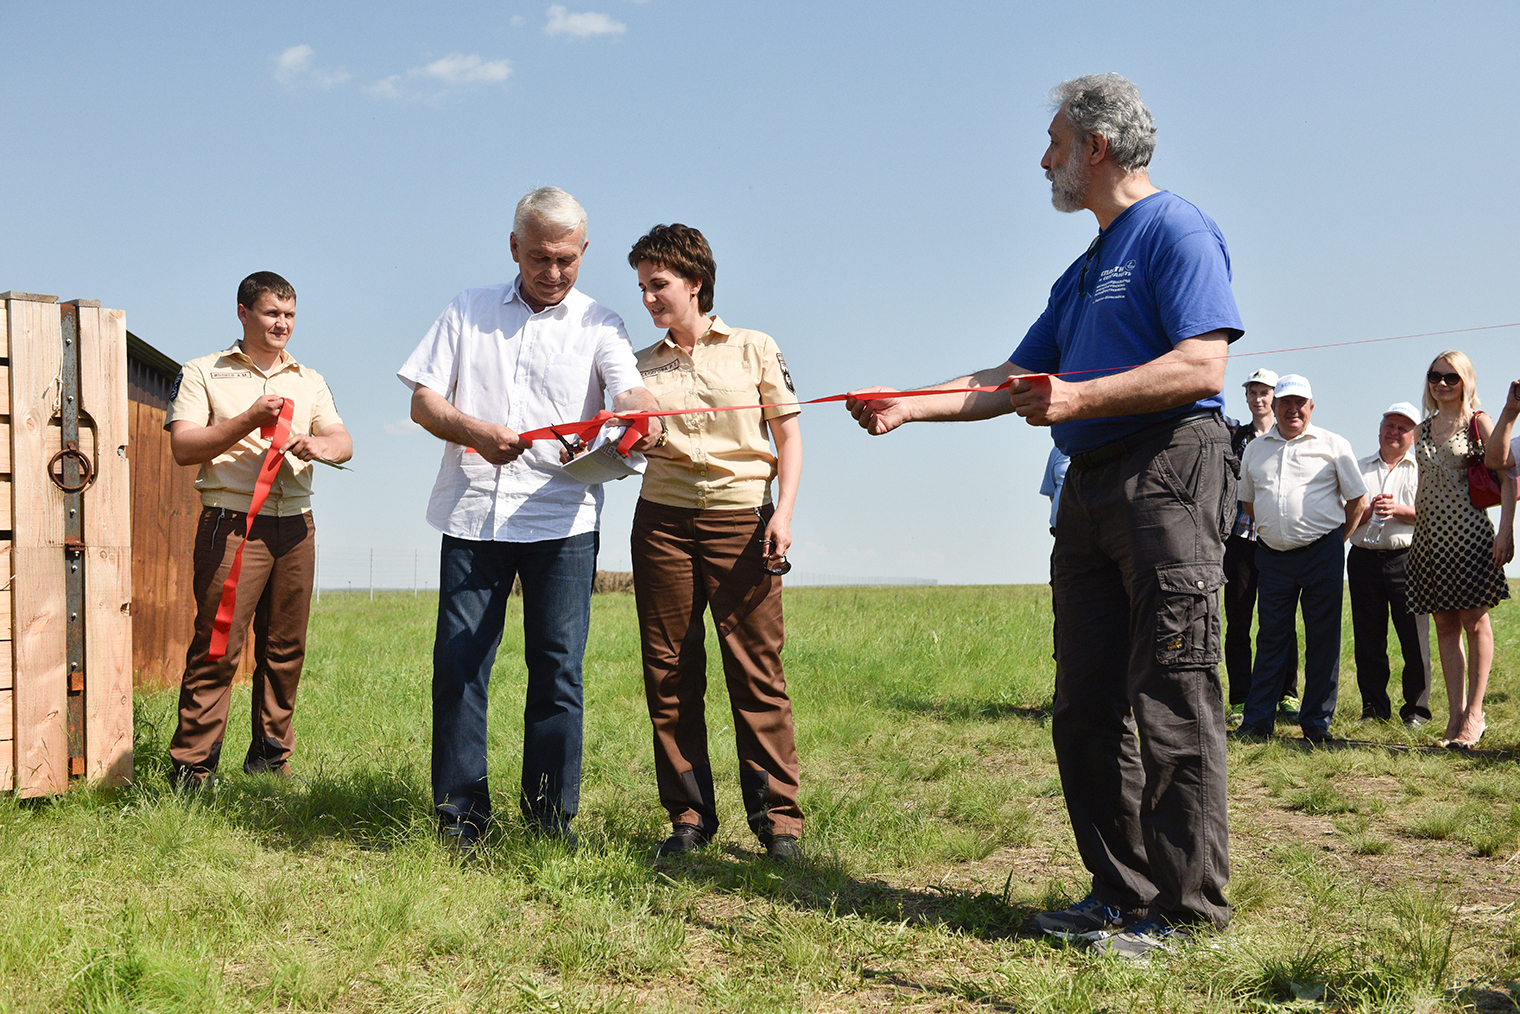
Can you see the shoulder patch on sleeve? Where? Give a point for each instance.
(785, 373)
(179, 378)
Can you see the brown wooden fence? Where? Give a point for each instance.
(67, 694)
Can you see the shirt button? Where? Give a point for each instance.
(1199, 583)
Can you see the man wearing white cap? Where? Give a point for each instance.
(1240, 563)
(1305, 491)
(1375, 570)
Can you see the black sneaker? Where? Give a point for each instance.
(1249, 734)
(1415, 721)
(1318, 737)
(684, 838)
(784, 847)
(1088, 919)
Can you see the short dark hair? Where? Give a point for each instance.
(260, 282)
(684, 251)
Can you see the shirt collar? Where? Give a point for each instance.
(514, 291)
(1310, 430)
(716, 330)
(287, 361)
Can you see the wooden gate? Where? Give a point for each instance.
(65, 611)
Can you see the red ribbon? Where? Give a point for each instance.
(221, 627)
(638, 422)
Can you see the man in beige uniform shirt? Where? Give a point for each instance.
(222, 413)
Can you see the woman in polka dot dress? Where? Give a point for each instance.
(1452, 574)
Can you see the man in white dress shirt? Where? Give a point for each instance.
(1375, 571)
(1305, 491)
(499, 361)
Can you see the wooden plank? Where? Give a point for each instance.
(7, 766)
(7, 722)
(108, 665)
(5, 498)
(103, 396)
(7, 663)
(36, 358)
(5, 336)
(41, 691)
(30, 297)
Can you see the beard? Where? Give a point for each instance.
(1068, 183)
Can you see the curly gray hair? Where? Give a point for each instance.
(1110, 105)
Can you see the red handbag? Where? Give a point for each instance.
(1482, 483)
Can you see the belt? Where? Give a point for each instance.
(1336, 532)
(1112, 450)
(1379, 552)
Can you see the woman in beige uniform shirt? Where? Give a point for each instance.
(707, 536)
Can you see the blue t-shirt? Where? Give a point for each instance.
(1160, 274)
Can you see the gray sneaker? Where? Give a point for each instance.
(1139, 941)
(1088, 919)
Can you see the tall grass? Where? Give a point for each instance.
(1374, 878)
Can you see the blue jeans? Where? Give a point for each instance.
(474, 581)
(1311, 574)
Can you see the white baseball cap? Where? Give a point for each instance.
(1404, 409)
(1262, 377)
(1290, 385)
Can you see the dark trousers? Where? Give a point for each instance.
(475, 579)
(685, 563)
(1378, 593)
(1311, 574)
(274, 590)
(1138, 722)
(1239, 611)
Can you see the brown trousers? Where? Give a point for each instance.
(274, 589)
(685, 562)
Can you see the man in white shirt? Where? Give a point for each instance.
(500, 361)
(1375, 571)
(1302, 486)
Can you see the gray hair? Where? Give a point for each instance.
(1110, 105)
(549, 207)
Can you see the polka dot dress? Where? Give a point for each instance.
(1451, 561)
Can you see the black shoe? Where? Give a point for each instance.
(463, 840)
(556, 832)
(1250, 734)
(191, 782)
(1374, 716)
(1322, 738)
(684, 838)
(784, 847)
(1415, 721)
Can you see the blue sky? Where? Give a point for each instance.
(867, 175)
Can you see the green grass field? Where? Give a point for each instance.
(1382, 877)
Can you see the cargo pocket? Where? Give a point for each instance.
(1187, 614)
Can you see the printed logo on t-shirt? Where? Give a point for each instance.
(674, 364)
(1113, 283)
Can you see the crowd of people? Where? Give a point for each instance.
(1158, 506)
(1420, 547)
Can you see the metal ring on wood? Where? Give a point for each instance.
(71, 450)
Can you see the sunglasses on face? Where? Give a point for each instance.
(1449, 379)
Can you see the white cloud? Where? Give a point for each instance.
(292, 63)
(581, 26)
(518, 21)
(453, 70)
(457, 68)
(296, 64)
(402, 427)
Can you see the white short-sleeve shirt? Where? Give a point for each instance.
(1403, 482)
(495, 359)
(1299, 488)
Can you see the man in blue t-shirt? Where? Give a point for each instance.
(1138, 330)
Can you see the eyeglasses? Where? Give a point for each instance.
(1449, 379)
(783, 566)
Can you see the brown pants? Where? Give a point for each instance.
(274, 589)
(684, 562)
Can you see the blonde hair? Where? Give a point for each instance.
(1462, 367)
